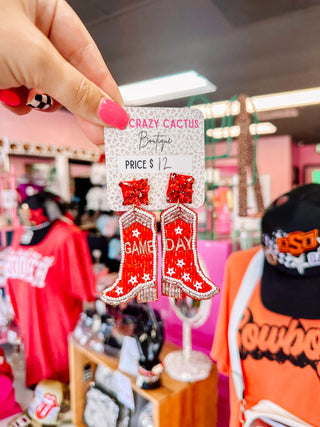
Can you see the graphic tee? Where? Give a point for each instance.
(47, 283)
(279, 354)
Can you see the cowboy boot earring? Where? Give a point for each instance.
(180, 270)
(138, 236)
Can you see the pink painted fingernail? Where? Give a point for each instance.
(9, 97)
(112, 114)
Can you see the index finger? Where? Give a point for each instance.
(70, 37)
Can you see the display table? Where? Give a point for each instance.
(175, 403)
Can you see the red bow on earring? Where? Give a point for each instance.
(135, 192)
(180, 188)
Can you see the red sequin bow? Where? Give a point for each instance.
(180, 188)
(135, 192)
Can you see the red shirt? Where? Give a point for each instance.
(47, 284)
(279, 355)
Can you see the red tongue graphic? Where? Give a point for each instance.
(48, 403)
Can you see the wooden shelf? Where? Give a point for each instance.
(175, 403)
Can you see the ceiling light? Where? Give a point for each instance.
(218, 109)
(283, 113)
(263, 128)
(164, 88)
(274, 101)
(296, 98)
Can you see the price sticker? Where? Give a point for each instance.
(156, 143)
(155, 164)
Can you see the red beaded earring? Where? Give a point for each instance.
(180, 270)
(138, 236)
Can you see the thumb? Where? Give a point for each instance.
(76, 92)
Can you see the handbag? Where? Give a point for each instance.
(265, 413)
(103, 407)
(101, 410)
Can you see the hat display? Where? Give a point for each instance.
(290, 282)
(50, 205)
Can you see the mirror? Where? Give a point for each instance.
(189, 365)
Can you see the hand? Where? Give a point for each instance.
(46, 50)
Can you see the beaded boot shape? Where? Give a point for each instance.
(138, 237)
(181, 271)
(138, 267)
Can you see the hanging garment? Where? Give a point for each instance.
(47, 284)
(279, 354)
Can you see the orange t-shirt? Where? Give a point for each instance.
(279, 355)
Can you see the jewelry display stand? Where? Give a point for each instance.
(186, 364)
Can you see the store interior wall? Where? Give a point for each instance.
(274, 158)
(18, 163)
(58, 129)
(276, 155)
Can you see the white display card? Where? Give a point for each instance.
(156, 142)
(129, 356)
(124, 390)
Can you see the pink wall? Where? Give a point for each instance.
(58, 128)
(306, 155)
(77, 170)
(214, 254)
(19, 162)
(274, 157)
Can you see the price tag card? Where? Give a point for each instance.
(156, 143)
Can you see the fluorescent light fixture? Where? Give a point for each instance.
(274, 101)
(263, 128)
(218, 109)
(164, 88)
(296, 98)
(283, 113)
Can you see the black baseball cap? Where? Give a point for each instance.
(290, 282)
(53, 206)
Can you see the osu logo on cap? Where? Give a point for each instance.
(298, 242)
